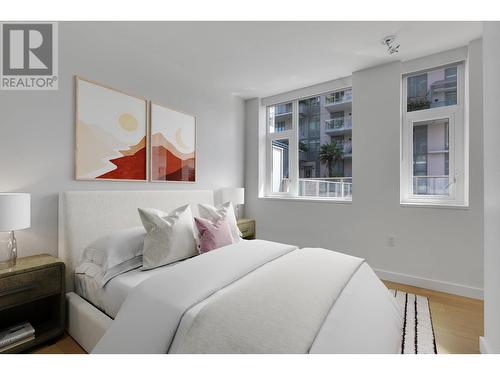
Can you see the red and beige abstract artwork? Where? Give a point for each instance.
(112, 138)
(173, 143)
(111, 133)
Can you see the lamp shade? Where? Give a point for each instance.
(233, 195)
(15, 212)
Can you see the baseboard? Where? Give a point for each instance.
(441, 286)
(484, 346)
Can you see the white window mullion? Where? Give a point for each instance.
(294, 151)
(272, 137)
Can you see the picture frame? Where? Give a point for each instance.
(112, 133)
(172, 151)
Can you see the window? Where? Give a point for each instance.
(280, 167)
(431, 158)
(436, 88)
(309, 144)
(433, 163)
(280, 118)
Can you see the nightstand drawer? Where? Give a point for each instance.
(28, 286)
(247, 229)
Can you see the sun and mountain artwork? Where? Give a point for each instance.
(173, 145)
(111, 134)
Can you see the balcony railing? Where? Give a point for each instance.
(444, 85)
(431, 185)
(339, 97)
(338, 124)
(346, 148)
(328, 187)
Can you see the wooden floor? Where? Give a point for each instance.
(63, 345)
(457, 321)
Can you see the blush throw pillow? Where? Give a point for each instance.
(224, 211)
(169, 238)
(212, 235)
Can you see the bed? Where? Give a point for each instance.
(250, 297)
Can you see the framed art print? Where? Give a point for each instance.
(173, 145)
(111, 134)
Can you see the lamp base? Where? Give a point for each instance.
(10, 248)
(13, 250)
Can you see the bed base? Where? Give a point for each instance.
(85, 216)
(86, 324)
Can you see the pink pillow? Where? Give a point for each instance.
(213, 235)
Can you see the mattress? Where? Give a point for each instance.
(110, 298)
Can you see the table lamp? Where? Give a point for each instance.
(15, 214)
(234, 195)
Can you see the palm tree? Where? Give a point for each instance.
(330, 153)
(304, 147)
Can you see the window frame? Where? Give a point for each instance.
(292, 135)
(457, 144)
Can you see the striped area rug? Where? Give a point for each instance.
(418, 332)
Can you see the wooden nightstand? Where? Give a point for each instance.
(33, 291)
(247, 228)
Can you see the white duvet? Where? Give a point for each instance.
(258, 297)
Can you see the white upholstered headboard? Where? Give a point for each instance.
(84, 216)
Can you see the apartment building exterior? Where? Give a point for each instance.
(431, 138)
(325, 124)
(323, 120)
(325, 139)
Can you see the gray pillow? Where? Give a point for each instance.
(169, 238)
(116, 253)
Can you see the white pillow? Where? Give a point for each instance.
(214, 214)
(114, 254)
(170, 237)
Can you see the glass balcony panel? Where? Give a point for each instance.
(338, 97)
(328, 187)
(431, 185)
(338, 124)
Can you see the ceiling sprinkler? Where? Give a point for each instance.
(392, 45)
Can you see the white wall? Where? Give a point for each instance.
(434, 247)
(491, 62)
(37, 128)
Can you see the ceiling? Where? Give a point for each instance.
(258, 59)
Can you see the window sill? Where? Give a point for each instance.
(433, 205)
(304, 199)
